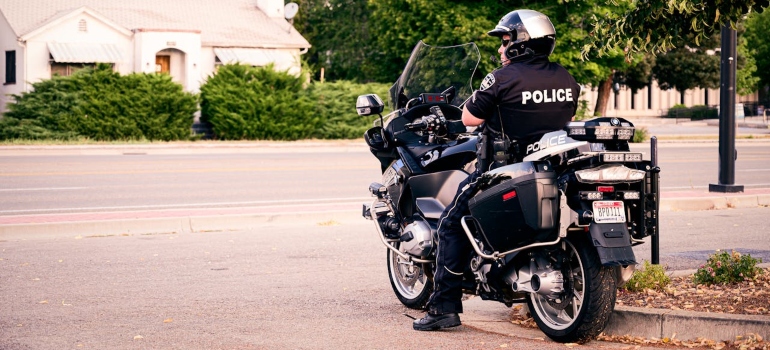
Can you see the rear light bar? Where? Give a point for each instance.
(630, 195)
(599, 195)
(591, 195)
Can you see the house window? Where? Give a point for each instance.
(82, 25)
(67, 69)
(10, 67)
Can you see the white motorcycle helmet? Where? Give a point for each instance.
(531, 32)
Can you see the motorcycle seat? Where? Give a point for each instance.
(430, 207)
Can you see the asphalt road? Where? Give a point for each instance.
(60, 180)
(303, 286)
(307, 285)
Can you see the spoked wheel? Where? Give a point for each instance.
(582, 310)
(410, 281)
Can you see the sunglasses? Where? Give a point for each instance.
(506, 42)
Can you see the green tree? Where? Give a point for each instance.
(657, 26)
(639, 75)
(572, 31)
(400, 24)
(686, 68)
(757, 45)
(339, 33)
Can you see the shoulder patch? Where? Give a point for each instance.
(488, 81)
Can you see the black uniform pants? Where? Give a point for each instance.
(453, 251)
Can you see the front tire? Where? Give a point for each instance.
(590, 297)
(411, 284)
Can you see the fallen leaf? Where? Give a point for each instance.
(137, 337)
(43, 302)
(168, 320)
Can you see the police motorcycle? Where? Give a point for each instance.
(553, 229)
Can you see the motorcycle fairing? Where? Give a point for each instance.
(433, 192)
(550, 144)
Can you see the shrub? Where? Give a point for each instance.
(244, 102)
(651, 277)
(727, 268)
(30, 129)
(582, 111)
(640, 134)
(703, 112)
(101, 104)
(336, 104)
(677, 111)
(699, 112)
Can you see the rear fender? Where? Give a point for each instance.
(613, 243)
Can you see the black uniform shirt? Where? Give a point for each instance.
(534, 96)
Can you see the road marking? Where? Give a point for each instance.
(707, 186)
(265, 204)
(175, 171)
(749, 170)
(42, 189)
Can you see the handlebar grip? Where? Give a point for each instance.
(415, 126)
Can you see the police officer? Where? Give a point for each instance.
(524, 99)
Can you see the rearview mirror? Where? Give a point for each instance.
(369, 105)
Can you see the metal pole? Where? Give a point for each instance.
(655, 239)
(727, 153)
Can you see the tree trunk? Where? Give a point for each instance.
(603, 96)
(681, 96)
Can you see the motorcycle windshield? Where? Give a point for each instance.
(433, 69)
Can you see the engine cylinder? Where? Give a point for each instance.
(421, 243)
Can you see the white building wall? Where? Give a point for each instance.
(662, 101)
(8, 42)
(147, 44)
(38, 62)
(208, 64)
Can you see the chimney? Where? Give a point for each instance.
(272, 8)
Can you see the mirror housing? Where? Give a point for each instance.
(370, 104)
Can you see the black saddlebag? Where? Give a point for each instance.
(516, 205)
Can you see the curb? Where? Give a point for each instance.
(637, 322)
(688, 325)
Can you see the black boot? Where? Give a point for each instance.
(433, 322)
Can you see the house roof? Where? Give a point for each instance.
(222, 23)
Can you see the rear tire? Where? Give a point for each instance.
(411, 284)
(590, 303)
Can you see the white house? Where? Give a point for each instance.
(184, 38)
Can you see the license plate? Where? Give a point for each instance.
(609, 212)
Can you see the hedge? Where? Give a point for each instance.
(698, 112)
(100, 104)
(243, 102)
(336, 103)
(238, 102)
